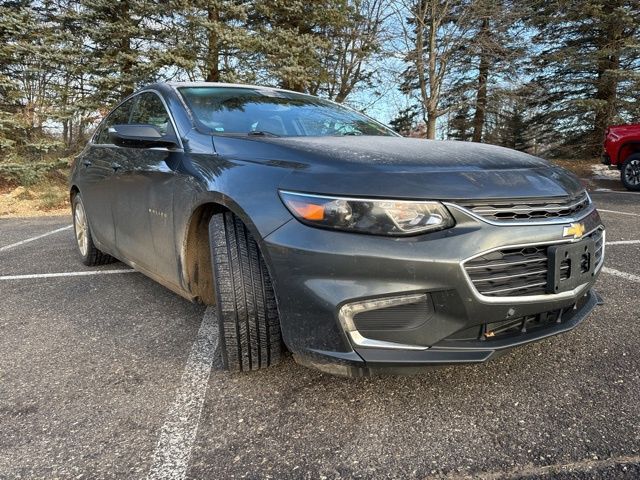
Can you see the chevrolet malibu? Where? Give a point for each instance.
(314, 229)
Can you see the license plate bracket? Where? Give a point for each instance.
(570, 265)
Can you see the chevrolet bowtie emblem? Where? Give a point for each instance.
(575, 230)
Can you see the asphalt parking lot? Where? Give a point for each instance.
(109, 375)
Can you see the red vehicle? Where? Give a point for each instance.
(622, 149)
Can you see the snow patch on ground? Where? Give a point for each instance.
(602, 172)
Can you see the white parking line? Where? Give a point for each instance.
(17, 244)
(64, 274)
(618, 273)
(623, 242)
(620, 213)
(177, 436)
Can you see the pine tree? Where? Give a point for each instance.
(460, 126)
(210, 40)
(497, 52)
(405, 121)
(13, 15)
(291, 38)
(126, 40)
(487, 62)
(70, 88)
(588, 55)
(27, 70)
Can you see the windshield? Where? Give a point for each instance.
(255, 111)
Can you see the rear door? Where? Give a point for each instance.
(97, 186)
(145, 184)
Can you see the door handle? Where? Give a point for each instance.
(116, 166)
(86, 163)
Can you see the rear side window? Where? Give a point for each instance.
(119, 116)
(149, 110)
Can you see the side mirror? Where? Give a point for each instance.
(141, 136)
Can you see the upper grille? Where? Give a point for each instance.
(530, 210)
(519, 271)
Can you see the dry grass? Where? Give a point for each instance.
(48, 197)
(581, 167)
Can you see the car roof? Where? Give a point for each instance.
(176, 85)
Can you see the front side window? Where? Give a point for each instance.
(119, 116)
(228, 110)
(149, 110)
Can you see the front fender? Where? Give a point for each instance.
(211, 183)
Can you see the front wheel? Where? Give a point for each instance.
(630, 172)
(246, 304)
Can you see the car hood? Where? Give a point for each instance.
(397, 167)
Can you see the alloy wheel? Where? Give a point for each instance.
(82, 229)
(632, 172)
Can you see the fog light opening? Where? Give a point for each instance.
(349, 311)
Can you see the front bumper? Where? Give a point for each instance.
(317, 273)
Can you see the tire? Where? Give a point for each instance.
(89, 253)
(250, 336)
(630, 172)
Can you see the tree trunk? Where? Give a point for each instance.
(419, 52)
(65, 133)
(125, 47)
(481, 94)
(431, 125)
(213, 54)
(434, 88)
(607, 83)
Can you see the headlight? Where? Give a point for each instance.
(378, 217)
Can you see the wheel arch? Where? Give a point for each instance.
(627, 149)
(73, 191)
(196, 254)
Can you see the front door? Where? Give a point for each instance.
(145, 180)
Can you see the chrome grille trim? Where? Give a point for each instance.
(513, 289)
(506, 264)
(507, 277)
(528, 212)
(489, 296)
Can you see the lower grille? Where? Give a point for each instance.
(495, 331)
(514, 271)
(519, 271)
(518, 326)
(598, 238)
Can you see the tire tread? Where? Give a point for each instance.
(247, 310)
(628, 186)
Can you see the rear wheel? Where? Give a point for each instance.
(630, 172)
(89, 253)
(247, 312)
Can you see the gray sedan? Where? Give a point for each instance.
(314, 229)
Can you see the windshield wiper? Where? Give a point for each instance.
(262, 133)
